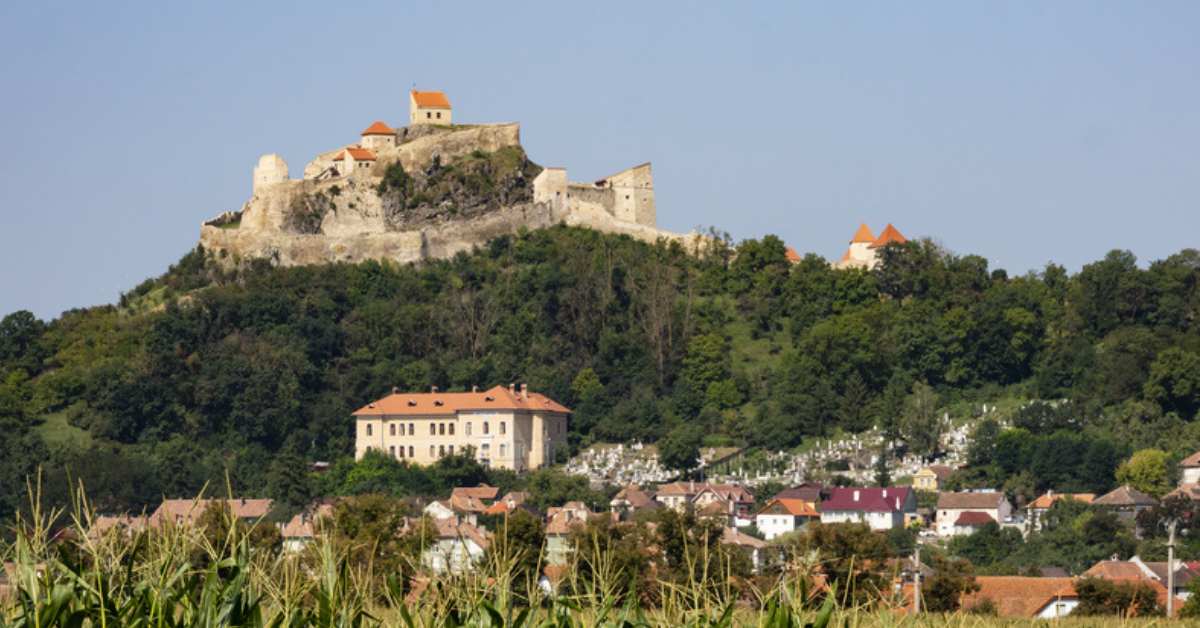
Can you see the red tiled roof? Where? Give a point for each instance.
(792, 255)
(359, 154)
(846, 257)
(863, 235)
(425, 404)
(1190, 491)
(888, 236)
(1191, 461)
(796, 507)
(379, 128)
(436, 100)
(1020, 596)
(843, 498)
(187, 510)
(973, 518)
(1045, 501)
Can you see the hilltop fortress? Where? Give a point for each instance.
(425, 191)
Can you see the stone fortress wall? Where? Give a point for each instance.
(355, 229)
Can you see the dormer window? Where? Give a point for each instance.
(488, 398)
(437, 402)
(411, 403)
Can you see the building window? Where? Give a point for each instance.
(392, 450)
(410, 451)
(502, 430)
(451, 450)
(428, 115)
(402, 451)
(433, 429)
(439, 115)
(558, 427)
(520, 450)
(432, 451)
(442, 429)
(393, 426)
(468, 428)
(485, 450)
(368, 429)
(441, 450)
(485, 429)
(503, 450)
(452, 429)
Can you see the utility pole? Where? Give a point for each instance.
(1171, 568)
(917, 581)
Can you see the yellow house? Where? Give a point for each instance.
(932, 478)
(507, 428)
(429, 108)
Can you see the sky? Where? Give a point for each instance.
(1023, 132)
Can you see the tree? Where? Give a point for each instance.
(680, 449)
(1174, 382)
(612, 552)
(954, 578)
(1148, 471)
(922, 427)
(883, 476)
(854, 410)
(1105, 597)
(368, 531)
(518, 548)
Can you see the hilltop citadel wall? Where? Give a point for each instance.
(356, 228)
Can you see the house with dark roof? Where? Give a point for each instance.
(812, 493)
(631, 500)
(880, 508)
(1126, 502)
(978, 508)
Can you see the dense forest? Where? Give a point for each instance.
(238, 373)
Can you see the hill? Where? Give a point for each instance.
(216, 368)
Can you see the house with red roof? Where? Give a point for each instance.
(782, 515)
(964, 513)
(1023, 596)
(1190, 470)
(429, 108)
(880, 508)
(379, 137)
(503, 427)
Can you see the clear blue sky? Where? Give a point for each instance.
(1025, 132)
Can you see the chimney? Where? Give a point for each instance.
(524, 390)
(395, 390)
(434, 390)
(512, 388)
(885, 493)
(474, 389)
(855, 495)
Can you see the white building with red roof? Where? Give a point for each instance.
(429, 108)
(864, 247)
(507, 428)
(880, 508)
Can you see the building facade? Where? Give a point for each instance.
(506, 428)
(428, 108)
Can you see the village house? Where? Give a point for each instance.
(735, 500)
(559, 523)
(1137, 571)
(1021, 596)
(631, 500)
(963, 513)
(781, 516)
(1190, 470)
(503, 427)
(932, 478)
(1038, 507)
(811, 493)
(880, 508)
(460, 546)
(429, 108)
(186, 511)
(1125, 502)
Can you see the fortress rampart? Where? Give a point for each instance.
(352, 224)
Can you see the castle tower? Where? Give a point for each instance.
(889, 236)
(550, 185)
(428, 108)
(378, 137)
(859, 246)
(633, 195)
(270, 169)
